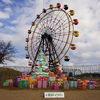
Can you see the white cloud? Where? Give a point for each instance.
(14, 22)
(4, 15)
(7, 1)
(1, 24)
(87, 44)
(18, 62)
(8, 9)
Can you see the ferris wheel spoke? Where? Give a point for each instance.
(65, 28)
(55, 19)
(58, 34)
(47, 21)
(61, 17)
(59, 52)
(35, 39)
(36, 49)
(43, 23)
(51, 20)
(59, 48)
(61, 24)
(39, 27)
(56, 39)
(31, 53)
(37, 32)
(68, 23)
(58, 15)
(62, 29)
(60, 40)
(52, 24)
(34, 45)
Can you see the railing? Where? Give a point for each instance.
(83, 71)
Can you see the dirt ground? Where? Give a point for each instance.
(37, 94)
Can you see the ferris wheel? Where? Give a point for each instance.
(52, 32)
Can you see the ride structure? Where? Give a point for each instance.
(52, 34)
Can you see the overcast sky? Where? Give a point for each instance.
(16, 17)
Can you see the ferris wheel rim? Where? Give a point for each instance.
(68, 32)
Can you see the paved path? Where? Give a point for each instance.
(37, 94)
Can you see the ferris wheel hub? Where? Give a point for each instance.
(47, 36)
(48, 30)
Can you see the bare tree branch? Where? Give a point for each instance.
(7, 51)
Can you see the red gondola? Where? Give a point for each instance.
(27, 39)
(30, 63)
(38, 16)
(73, 48)
(58, 5)
(75, 21)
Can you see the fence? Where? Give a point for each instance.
(83, 71)
(10, 72)
(91, 72)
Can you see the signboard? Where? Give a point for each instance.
(53, 94)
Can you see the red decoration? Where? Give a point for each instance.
(41, 64)
(47, 70)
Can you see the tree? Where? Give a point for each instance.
(7, 51)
